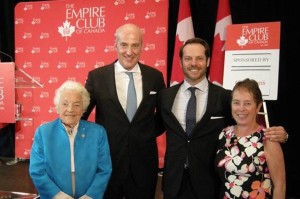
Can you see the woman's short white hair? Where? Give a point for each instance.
(75, 86)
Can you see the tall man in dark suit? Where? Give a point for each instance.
(132, 143)
(189, 159)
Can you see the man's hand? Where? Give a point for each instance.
(276, 134)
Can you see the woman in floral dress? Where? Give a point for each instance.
(249, 165)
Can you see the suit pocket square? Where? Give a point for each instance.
(216, 117)
(152, 92)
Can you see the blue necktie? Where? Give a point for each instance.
(131, 103)
(191, 112)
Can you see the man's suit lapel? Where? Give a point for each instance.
(169, 104)
(146, 79)
(211, 101)
(111, 87)
(146, 83)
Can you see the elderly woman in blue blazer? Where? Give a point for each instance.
(70, 157)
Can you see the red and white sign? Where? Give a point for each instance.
(252, 51)
(7, 92)
(60, 40)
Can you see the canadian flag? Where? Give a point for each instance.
(184, 32)
(218, 51)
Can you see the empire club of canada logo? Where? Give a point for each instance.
(242, 41)
(66, 30)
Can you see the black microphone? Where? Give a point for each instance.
(3, 53)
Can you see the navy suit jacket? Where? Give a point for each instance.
(132, 144)
(200, 147)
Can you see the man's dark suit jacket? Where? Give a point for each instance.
(200, 147)
(132, 144)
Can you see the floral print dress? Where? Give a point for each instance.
(242, 166)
